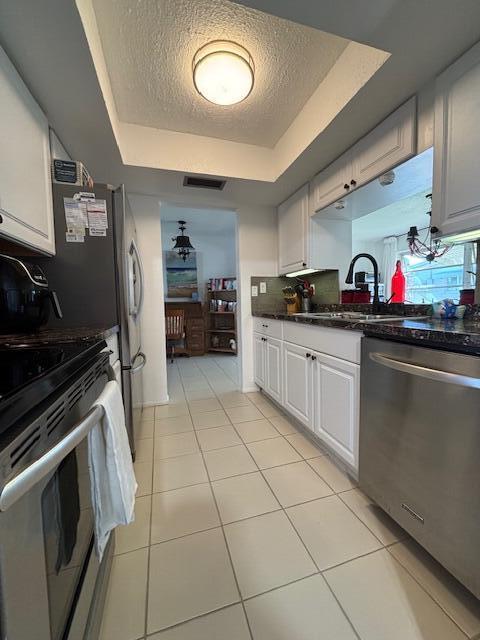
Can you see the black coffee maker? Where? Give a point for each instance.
(25, 298)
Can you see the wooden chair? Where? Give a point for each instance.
(175, 330)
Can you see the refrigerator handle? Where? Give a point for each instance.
(139, 306)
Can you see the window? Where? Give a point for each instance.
(443, 278)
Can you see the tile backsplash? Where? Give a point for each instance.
(326, 291)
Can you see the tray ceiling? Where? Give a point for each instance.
(143, 54)
(149, 47)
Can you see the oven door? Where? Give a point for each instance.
(46, 535)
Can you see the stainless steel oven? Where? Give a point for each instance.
(419, 447)
(52, 584)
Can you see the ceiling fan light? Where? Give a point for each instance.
(223, 72)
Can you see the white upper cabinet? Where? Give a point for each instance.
(25, 184)
(331, 184)
(388, 145)
(392, 142)
(293, 232)
(456, 191)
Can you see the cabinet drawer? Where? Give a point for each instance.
(267, 327)
(339, 343)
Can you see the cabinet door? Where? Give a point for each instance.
(259, 359)
(456, 194)
(293, 232)
(25, 183)
(273, 362)
(297, 386)
(336, 389)
(393, 141)
(331, 184)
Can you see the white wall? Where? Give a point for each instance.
(146, 211)
(215, 252)
(257, 256)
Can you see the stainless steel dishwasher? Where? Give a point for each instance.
(420, 447)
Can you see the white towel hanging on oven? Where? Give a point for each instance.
(112, 479)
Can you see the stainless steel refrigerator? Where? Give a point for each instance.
(99, 282)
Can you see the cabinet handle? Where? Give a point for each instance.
(308, 355)
(1, 218)
(346, 186)
(353, 183)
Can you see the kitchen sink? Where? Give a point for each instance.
(359, 317)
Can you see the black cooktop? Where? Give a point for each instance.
(29, 374)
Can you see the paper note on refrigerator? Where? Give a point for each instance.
(75, 213)
(97, 232)
(97, 214)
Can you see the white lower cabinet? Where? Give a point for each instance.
(297, 392)
(274, 369)
(259, 359)
(268, 368)
(336, 393)
(321, 391)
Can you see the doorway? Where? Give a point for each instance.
(199, 247)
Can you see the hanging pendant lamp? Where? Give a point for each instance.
(182, 242)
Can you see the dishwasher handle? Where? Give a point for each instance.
(26, 479)
(426, 372)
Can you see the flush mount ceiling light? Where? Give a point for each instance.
(223, 72)
(182, 242)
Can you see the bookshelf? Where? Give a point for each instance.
(221, 315)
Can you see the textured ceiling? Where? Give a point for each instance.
(201, 221)
(149, 46)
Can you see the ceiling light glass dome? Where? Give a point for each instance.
(223, 72)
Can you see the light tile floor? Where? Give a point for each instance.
(245, 530)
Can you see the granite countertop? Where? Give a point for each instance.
(462, 335)
(57, 335)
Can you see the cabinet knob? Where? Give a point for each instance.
(346, 186)
(353, 183)
(1, 218)
(314, 357)
(304, 264)
(308, 355)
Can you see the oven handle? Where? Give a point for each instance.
(426, 372)
(29, 477)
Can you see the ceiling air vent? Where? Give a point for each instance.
(203, 183)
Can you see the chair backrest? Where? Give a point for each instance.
(174, 323)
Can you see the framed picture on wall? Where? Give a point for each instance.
(181, 275)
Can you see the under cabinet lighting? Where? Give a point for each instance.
(303, 272)
(467, 236)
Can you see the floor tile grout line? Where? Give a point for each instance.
(281, 508)
(147, 586)
(313, 560)
(226, 543)
(359, 519)
(337, 493)
(429, 594)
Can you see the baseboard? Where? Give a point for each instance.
(251, 389)
(157, 403)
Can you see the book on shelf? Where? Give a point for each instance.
(222, 306)
(222, 284)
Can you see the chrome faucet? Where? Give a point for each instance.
(349, 278)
